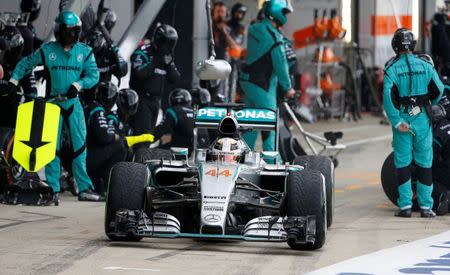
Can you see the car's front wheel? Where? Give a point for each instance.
(324, 165)
(305, 196)
(126, 190)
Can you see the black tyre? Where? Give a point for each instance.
(145, 154)
(325, 166)
(127, 184)
(305, 195)
(390, 184)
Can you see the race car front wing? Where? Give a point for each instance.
(263, 229)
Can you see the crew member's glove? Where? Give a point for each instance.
(133, 140)
(10, 94)
(168, 59)
(13, 87)
(73, 90)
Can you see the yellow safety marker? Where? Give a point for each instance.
(36, 134)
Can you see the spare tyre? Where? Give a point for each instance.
(390, 184)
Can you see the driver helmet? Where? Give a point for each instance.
(228, 150)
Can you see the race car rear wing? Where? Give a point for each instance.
(248, 118)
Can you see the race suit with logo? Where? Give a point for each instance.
(411, 85)
(266, 68)
(75, 67)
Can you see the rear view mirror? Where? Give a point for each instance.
(211, 69)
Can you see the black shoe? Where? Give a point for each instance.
(427, 213)
(442, 208)
(403, 213)
(55, 199)
(90, 195)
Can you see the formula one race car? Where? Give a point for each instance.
(226, 191)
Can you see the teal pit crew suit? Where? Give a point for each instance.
(75, 67)
(266, 68)
(412, 84)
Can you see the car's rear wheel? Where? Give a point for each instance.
(325, 166)
(126, 190)
(305, 196)
(145, 154)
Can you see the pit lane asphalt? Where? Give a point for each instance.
(69, 239)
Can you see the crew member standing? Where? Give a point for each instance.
(411, 86)
(266, 67)
(70, 68)
(152, 65)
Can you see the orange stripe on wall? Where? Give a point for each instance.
(387, 24)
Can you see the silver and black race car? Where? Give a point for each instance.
(226, 191)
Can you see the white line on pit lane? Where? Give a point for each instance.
(426, 256)
(368, 140)
(118, 268)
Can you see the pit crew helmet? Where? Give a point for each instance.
(96, 41)
(238, 7)
(438, 113)
(127, 102)
(277, 10)
(110, 18)
(201, 97)
(67, 28)
(165, 38)
(403, 40)
(31, 6)
(180, 97)
(15, 45)
(107, 95)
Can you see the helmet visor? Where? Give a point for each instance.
(68, 35)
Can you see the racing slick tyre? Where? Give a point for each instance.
(126, 190)
(390, 184)
(144, 154)
(325, 166)
(305, 196)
